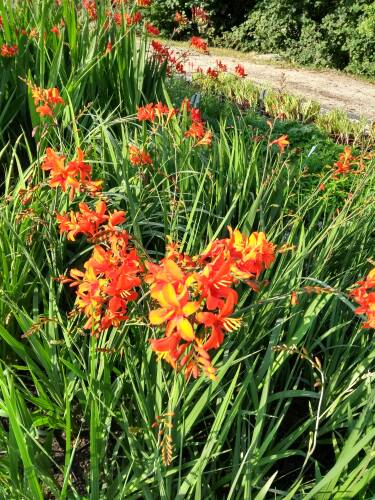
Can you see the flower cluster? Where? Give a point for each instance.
(197, 297)
(107, 285)
(239, 70)
(180, 19)
(197, 129)
(152, 112)
(91, 223)
(90, 7)
(153, 30)
(199, 15)
(164, 54)
(364, 295)
(139, 157)
(8, 50)
(221, 67)
(345, 163)
(212, 73)
(46, 99)
(199, 44)
(75, 176)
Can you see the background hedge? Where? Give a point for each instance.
(337, 34)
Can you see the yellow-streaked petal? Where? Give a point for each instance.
(185, 329)
(190, 308)
(159, 316)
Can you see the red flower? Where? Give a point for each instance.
(152, 29)
(8, 50)
(199, 44)
(364, 295)
(55, 30)
(212, 73)
(240, 71)
(221, 67)
(90, 7)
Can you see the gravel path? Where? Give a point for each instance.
(331, 89)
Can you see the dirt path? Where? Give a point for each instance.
(331, 89)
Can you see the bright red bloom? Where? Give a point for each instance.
(55, 30)
(143, 3)
(90, 7)
(240, 71)
(221, 67)
(133, 19)
(153, 30)
(199, 44)
(9, 50)
(212, 73)
(364, 295)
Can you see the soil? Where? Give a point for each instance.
(332, 89)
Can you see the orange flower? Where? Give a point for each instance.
(197, 297)
(175, 310)
(180, 19)
(218, 323)
(293, 299)
(249, 256)
(146, 113)
(152, 111)
(139, 157)
(76, 176)
(196, 130)
(55, 30)
(281, 142)
(47, 99)
(346, 162)
(206, 139)
(44, 110)
(108, 284)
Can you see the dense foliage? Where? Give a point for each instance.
(187, 286)
(336, 34)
